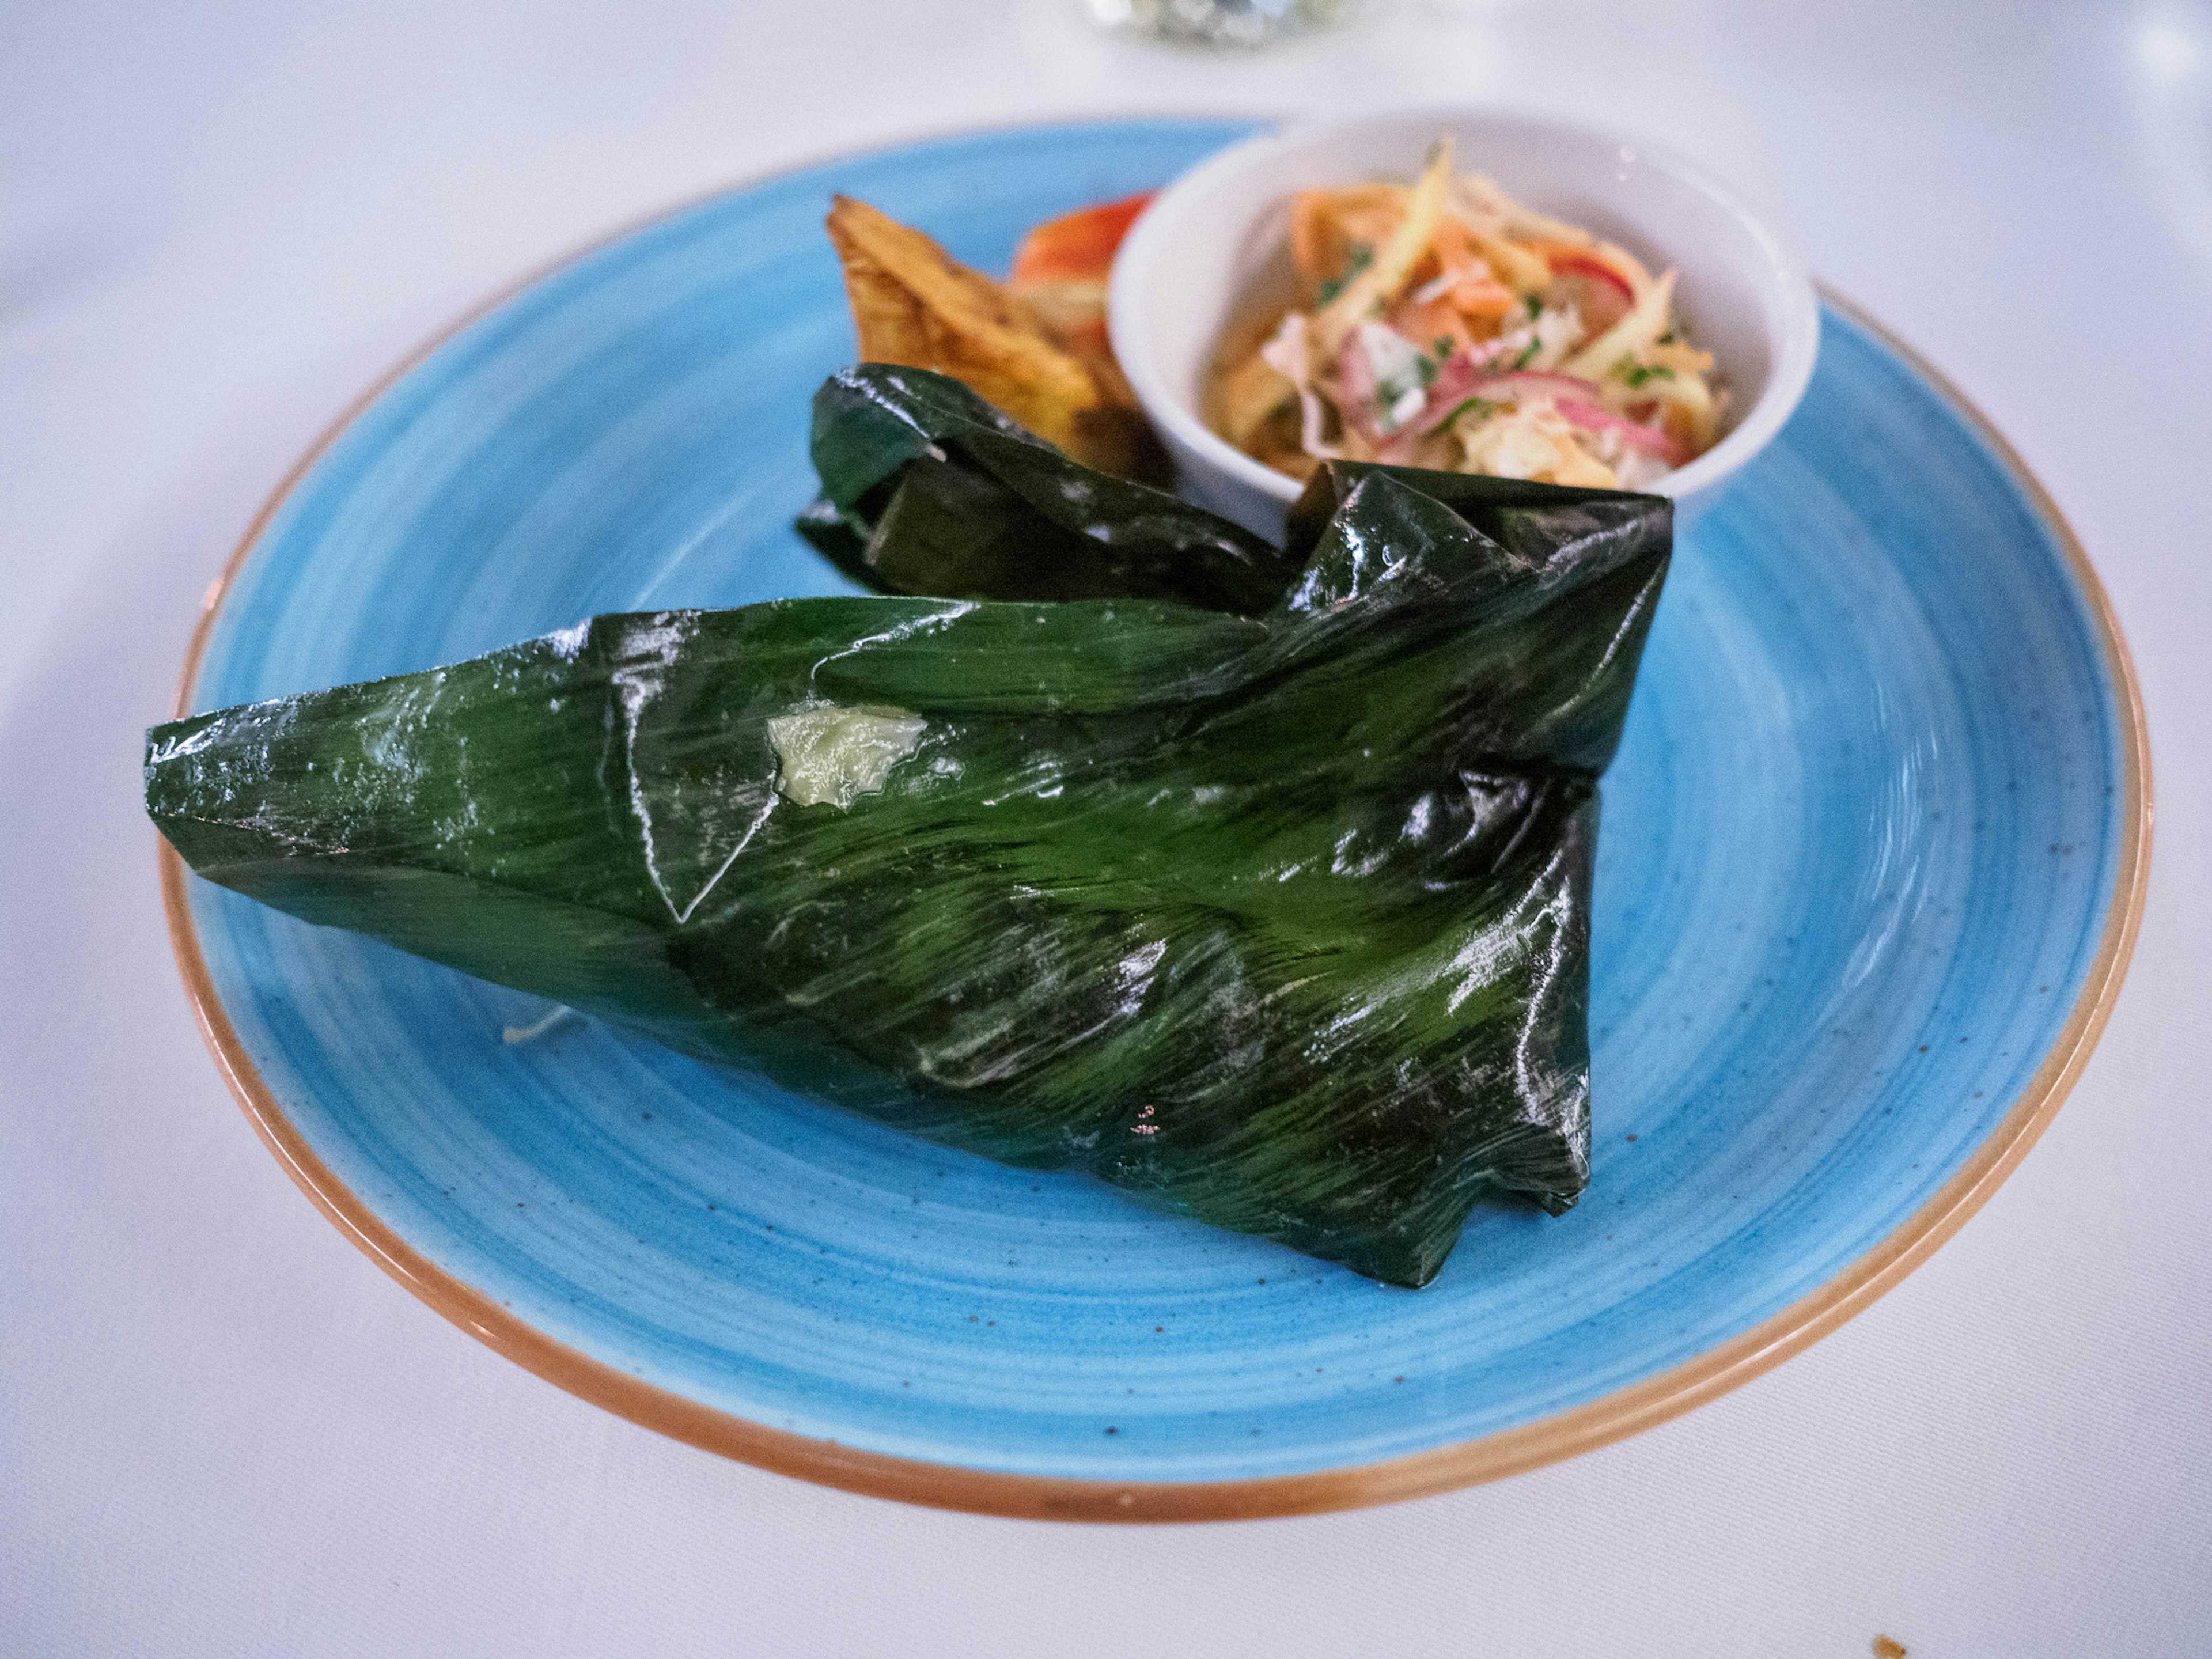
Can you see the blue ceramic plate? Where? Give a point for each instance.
(1873, 852)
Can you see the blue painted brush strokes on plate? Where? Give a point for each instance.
(1859, 849)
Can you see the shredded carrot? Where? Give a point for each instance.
(1392, 266)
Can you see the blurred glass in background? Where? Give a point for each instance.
(1233, 25)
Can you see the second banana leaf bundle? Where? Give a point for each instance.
(1104, 835)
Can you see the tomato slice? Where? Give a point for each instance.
(1078, 246)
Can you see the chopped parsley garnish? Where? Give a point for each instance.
(1636, 374)
(1535, 307)
(1527, 353)
(1362, 255)
(1481, 407)
(1431, 361)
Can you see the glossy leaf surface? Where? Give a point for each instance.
(928, 489)
(1280, 920)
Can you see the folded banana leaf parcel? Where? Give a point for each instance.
(1104, 835)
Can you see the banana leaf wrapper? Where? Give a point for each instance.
(1278, 920)
(928, 489)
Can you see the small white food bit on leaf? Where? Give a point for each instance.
(515, 1035)
(830, 755)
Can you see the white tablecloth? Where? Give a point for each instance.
(224, 1432)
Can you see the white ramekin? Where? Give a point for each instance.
(1220, 233)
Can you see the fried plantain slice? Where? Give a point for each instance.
(916, 306)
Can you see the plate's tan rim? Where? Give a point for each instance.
(1614, 1416)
